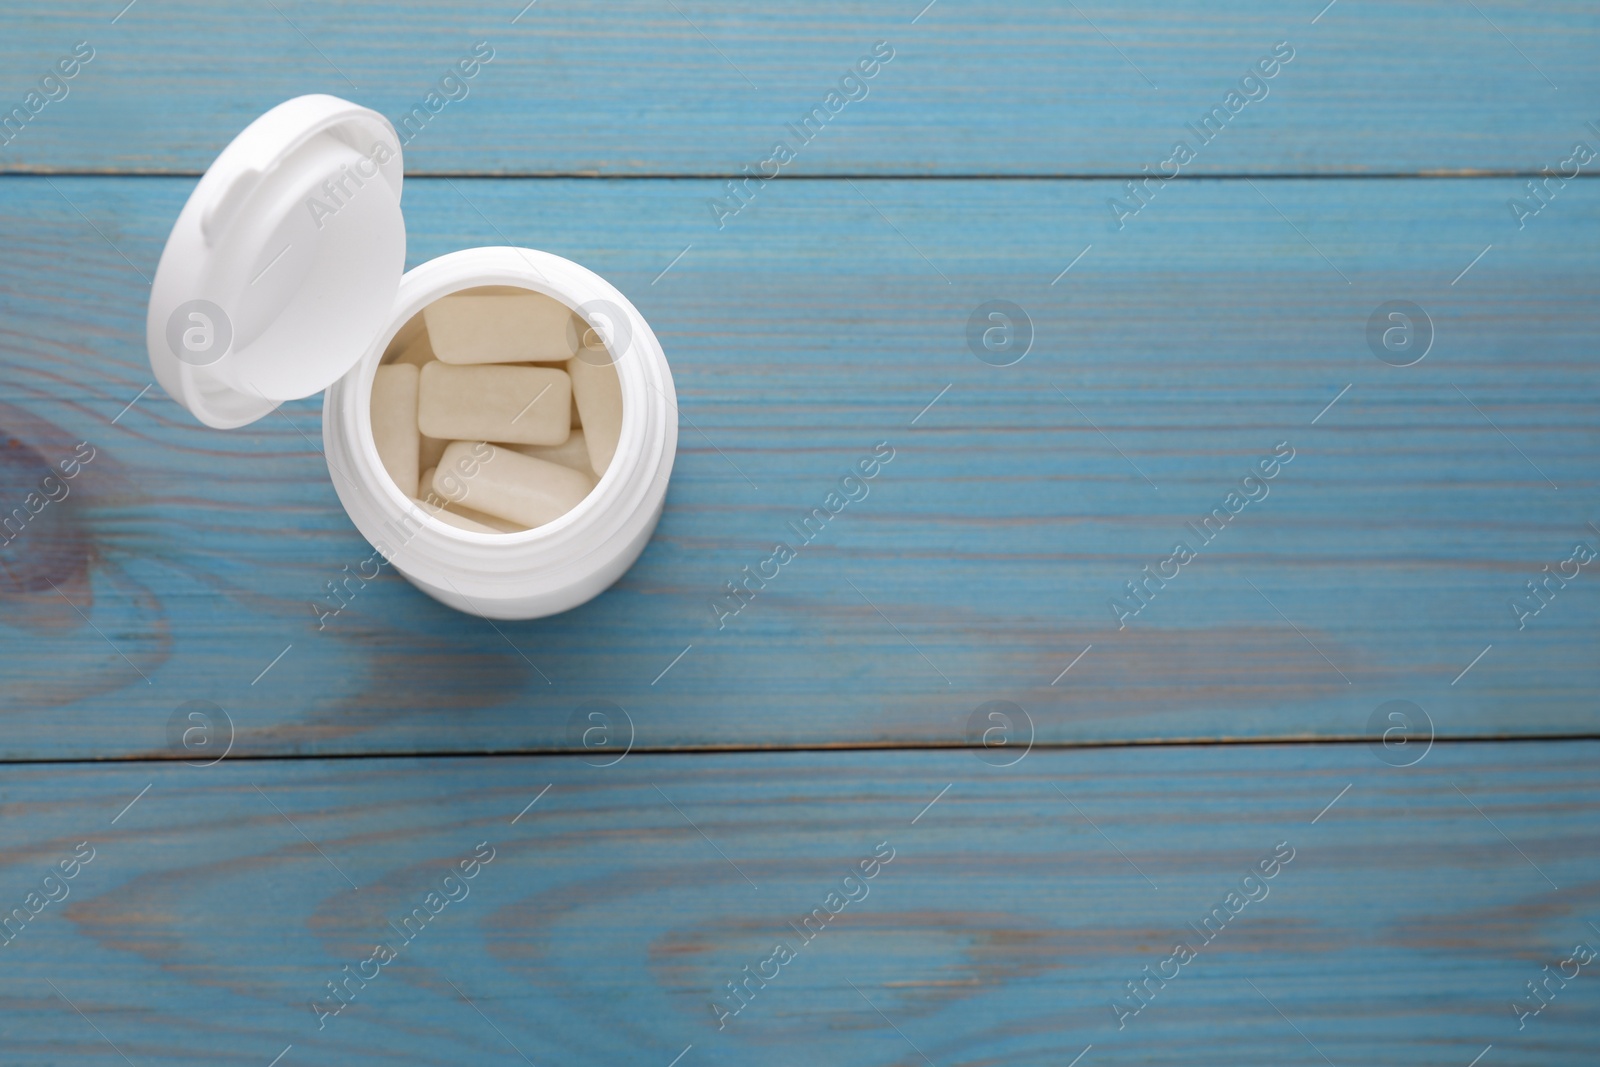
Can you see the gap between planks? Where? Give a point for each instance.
(849, 746)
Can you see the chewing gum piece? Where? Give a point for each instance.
(518, 405)
(598, 392)
(429, 497)
(525, 327)
(394, 422)
(507, 484)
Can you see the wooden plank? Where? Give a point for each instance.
(1216, 325)
(1014, 910)
(708, 87)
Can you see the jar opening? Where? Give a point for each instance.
(497, 408)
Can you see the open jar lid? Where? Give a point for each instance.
(284, 264)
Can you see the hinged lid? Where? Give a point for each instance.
(283, 265)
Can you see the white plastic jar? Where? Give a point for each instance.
(282, 277)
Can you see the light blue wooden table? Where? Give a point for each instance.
(823, 770)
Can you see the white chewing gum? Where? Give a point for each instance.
(418, 351)
(516, 405)
(394, 422)
(573, 454)
(507, 484)
(429, 498)
(598, 392)
(524, 327)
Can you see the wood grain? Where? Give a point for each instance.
(1014, 910)
(707, 86)
(1180, 350)
(166, 609)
